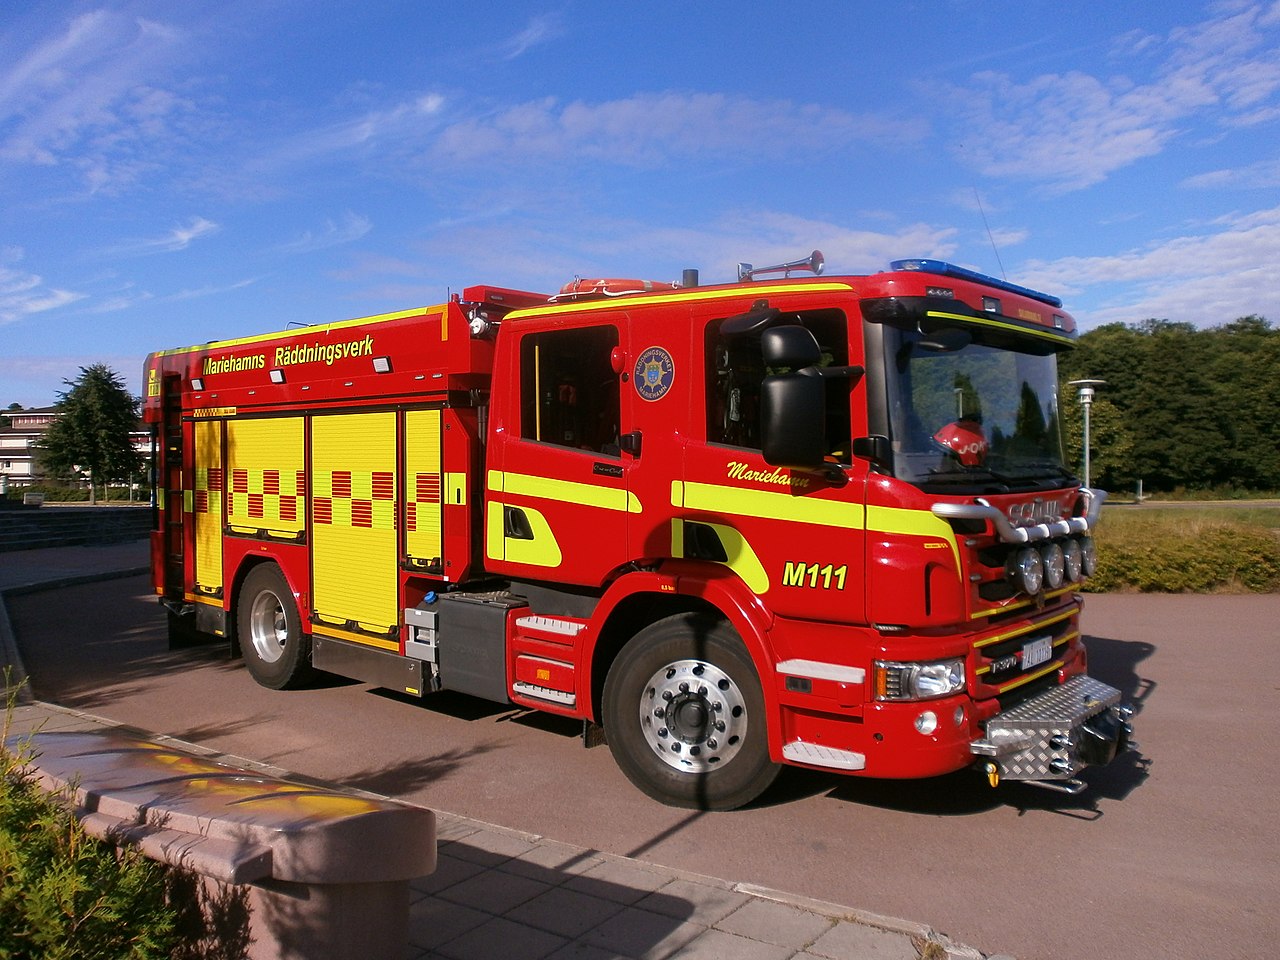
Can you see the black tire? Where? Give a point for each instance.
(684, 715)
(276, 651)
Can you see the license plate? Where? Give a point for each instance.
(1036, 652)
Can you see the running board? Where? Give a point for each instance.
(817, 755)
(534, 692)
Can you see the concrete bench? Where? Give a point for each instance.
(326, 871)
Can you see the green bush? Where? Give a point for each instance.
(65, 895)
(1190, 557)
(66, 494)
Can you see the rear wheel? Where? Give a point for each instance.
(275, 650)
(684, 714)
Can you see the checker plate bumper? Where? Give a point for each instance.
(1042, 738)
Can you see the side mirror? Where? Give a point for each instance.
(793, 420)
(790, 346)
(875, 448)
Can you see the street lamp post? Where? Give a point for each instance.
(1086, 388)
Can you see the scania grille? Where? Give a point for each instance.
(1013, 662)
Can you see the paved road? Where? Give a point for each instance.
(1169, 857)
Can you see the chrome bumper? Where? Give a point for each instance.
(1056, 734)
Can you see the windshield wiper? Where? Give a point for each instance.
(968, 477)
(969, 473)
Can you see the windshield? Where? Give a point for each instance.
(965, 414)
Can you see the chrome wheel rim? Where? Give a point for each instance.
(268, 627)
(693, 716)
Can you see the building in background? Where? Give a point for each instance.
(20, 465)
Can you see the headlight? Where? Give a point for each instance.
(1088, 556)
(1026, 570)
(1054, 565)
(917, 681)
(1071, 560)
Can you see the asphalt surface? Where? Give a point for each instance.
(1169, 855)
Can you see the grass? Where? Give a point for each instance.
(1158, 517)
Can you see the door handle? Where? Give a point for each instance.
(630, 443)
(515, 525)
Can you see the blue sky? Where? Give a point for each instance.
(172, 173)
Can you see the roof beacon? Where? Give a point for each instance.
(945, 269)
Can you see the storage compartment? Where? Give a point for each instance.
(472, 643)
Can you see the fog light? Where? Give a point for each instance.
(1026, 570)
(958, 716)
(927, 722)
(1088, 556)
(1072, 562)
(1054, 565)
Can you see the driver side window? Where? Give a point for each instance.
(569, 394)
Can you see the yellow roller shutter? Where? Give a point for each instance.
(423, 483)
(353, 501)
(207, 505)
(267, 484)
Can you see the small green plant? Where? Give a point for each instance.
(63, 894)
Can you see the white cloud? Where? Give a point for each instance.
(351, 228)
(539, 31)
(1203, 279)
(545, 254)
(119, 301)
(1073, 130)
(650, 129)
(179, 238)
(407, 123)
(23, 294)
(207, 291)
(87, 98)
(1264, 174)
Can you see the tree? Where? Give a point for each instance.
(92, 434)
(1110, 442)
(1182, 407)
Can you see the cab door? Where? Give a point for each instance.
(557, 499)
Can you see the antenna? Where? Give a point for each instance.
(999, 262)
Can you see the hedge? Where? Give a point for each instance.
(1195, 557)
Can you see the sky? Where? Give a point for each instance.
(172, 173)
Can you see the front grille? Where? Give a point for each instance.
(1027, 691)
(1002, 664)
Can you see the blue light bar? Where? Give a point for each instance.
(945, 269)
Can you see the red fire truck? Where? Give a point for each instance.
(801, 520)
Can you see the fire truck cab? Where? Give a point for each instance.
(801, 520)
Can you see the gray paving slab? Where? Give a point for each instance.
(499, 937)
(719, 945)
(567, 913)
(848, 939)
(776, 923)
(702, 903)
(626, 881)
(643, 935)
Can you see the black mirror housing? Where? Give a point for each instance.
(793, 420)
(790, 346)
(875, 448)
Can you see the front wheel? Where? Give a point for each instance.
(684, 714)
(275, 650)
